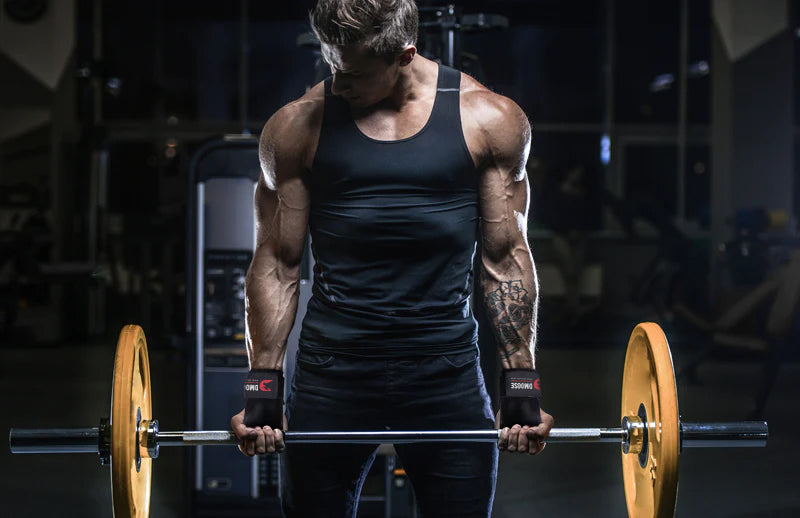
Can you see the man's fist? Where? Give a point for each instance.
(525, 439)
(257, 440)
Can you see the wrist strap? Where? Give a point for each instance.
(521, 383)
(264, 384)
(520, 393)
(263, 391)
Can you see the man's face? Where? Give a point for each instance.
(359, 77)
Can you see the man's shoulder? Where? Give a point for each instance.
(292, 131)
(302, 114)
(498, 124)
(489, 109)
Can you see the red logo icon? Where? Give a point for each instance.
(536, 385)
(263, 386)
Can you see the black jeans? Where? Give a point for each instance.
(426, 393)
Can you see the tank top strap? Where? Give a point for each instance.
(334, 103)
(336, 113)
(449, 79)
(447, 109)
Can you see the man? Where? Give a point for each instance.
(396, 165)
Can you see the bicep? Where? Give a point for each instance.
(504, 195)
(281, 221)
(503, 134)
(281, 204)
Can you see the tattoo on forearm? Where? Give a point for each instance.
(509, 352)
(510, 309)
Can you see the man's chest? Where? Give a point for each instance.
(391, 125)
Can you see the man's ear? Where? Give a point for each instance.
(407, 55)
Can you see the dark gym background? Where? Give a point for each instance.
(665, 187)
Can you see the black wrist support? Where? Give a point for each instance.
(263, 392)
(520, 394)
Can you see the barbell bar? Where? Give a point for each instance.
(651, 434)
(87, 440)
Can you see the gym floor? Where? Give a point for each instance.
(70, 386)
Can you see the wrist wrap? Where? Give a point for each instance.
(520, 394)
(263, 392)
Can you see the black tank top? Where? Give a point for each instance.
(393, 231)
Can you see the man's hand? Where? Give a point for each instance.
(525, 439)
(257, 440)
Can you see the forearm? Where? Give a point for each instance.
(271, 295)
(511, 298)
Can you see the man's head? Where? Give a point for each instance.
(366, 42)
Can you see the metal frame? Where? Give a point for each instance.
(195, 296)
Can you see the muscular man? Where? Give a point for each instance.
(397, 166)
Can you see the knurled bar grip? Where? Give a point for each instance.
(693, 435)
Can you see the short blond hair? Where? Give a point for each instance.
(384, 27)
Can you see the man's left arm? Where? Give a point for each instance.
(508, 275)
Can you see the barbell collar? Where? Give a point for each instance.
(104, 442)
(148, 439)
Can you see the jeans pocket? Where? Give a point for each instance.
(460, 360)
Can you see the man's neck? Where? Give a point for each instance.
(414, 82)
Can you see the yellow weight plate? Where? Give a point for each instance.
(649, 390)
(130, 404)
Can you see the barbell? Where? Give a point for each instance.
(651, 433)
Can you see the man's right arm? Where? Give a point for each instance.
(281, 207)
(272, 283)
